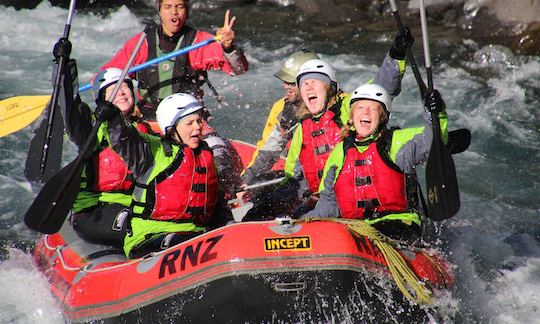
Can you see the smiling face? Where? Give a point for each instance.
(124, 97)
(189, 129)
(292, 94)
(314, 94)
(366, 116)
(173, 15)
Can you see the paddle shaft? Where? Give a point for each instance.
(408, 52)
(161, 59)
(261, 184)
(54, 100)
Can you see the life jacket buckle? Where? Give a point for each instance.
(120, 220)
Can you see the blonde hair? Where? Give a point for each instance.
(136, 113)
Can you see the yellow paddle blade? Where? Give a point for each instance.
(18, 112)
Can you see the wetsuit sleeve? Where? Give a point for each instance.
(227, 161)
(213, 57)
(120, 59)
(390, 74)
(237, 61)
(411, 146)
(136, 149)
(76, 114)
(292, 162)
(327, 205)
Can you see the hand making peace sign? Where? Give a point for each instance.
(226, 32)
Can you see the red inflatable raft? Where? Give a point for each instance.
(274, 271)
(244, 272)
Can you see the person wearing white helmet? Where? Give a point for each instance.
(282, 119)
(106, 185)
(176, 194)
(272, 149)
(371, 175)
(186, 73)
(323, 112)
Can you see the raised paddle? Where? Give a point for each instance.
(162, 58)
(441, 180)
(458, 140)
(19, 112)
(51, 206)
(408, 51)
(48, 137)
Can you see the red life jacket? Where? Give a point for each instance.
(369, 184)
(109, 172)
(319, 136)
(184, 191)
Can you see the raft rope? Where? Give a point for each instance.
(403, 275)
(87, 268)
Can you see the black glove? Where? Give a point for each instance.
(62, 48)
(403, 41)
(105, 110)
(433, 102)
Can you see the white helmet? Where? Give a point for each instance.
(175, 107)
(374, 92)
(105, 78)
(317, 66)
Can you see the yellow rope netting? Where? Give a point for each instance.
(405, 278)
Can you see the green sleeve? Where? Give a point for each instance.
(345, 109)
(294, 152)
(335, 159)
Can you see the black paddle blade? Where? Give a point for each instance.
(33, 166)
(458, 140)
(441, 180)
(51, 206)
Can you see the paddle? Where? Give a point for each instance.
(441, 180)
(458, 140)
(51, 206)
(18, 112)
(261, 184)
(48, 137)
(408, 52)
(162, 58)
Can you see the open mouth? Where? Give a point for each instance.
(312, 100)
(120, 101)
(365, 122)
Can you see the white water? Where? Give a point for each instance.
(493, 242)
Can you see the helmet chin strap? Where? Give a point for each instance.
(178, 139)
